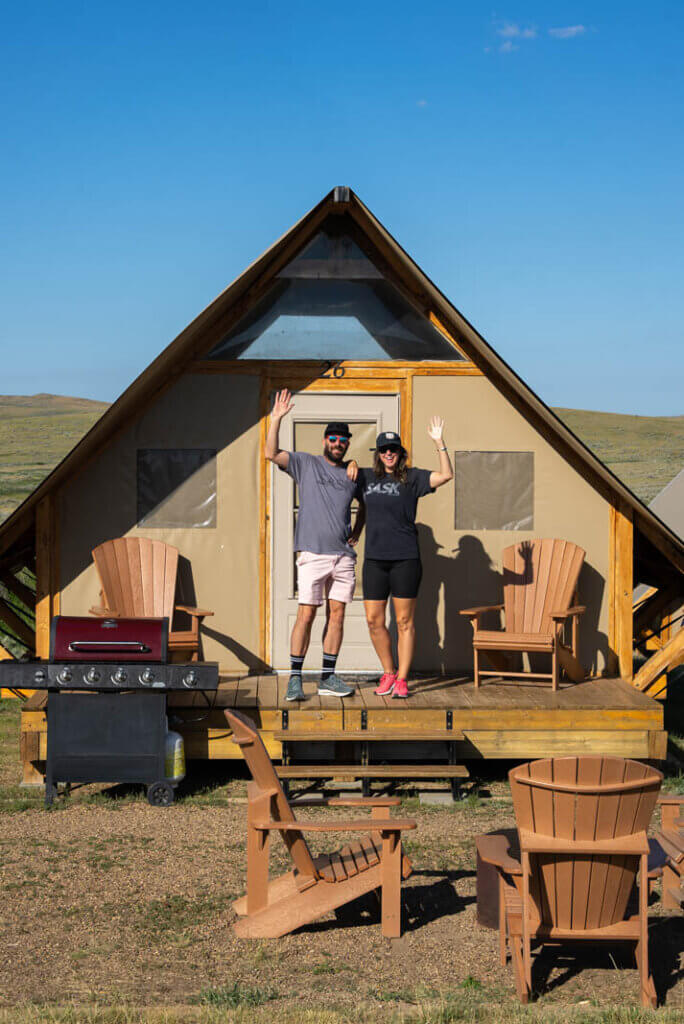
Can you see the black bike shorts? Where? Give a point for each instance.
(382, 577)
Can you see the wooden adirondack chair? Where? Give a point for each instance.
(671, 839)
(582, 825)
(539, 584)
(316, 885)
(138, 579)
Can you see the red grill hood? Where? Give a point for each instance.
(83, 638)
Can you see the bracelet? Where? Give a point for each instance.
(444, 449)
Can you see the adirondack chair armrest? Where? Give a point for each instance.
(198, 613)
(672, 844)
(494, 850)
(352, 801)
(103, 613)
(377, 825)
(531, 842)
(473, 613)
(671, 798)
(576, 609)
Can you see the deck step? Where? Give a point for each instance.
(368, 736)
(372, 771)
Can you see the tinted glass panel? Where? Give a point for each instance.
(177, 487)
(333, 302)
(494, 490)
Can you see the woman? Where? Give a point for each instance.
(392, 566)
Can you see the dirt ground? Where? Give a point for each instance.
(119, 903)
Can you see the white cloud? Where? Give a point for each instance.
(512, 31)
(507, 47)
(422, 103)
(569, 32)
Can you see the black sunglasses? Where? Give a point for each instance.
(393, 448)
(338, 437)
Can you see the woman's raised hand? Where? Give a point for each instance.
(436, 429)
(353, 469)
(282, 405)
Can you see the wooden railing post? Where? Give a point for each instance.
(620, 591)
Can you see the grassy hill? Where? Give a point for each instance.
(36, 431)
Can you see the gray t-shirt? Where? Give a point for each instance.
(325, 497)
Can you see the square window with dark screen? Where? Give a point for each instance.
(494, 490)
(177, 487)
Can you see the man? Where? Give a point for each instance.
(324, 542)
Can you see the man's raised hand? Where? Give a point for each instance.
(283, 404)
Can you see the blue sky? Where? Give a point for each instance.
(528, 157)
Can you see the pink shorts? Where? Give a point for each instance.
(325, 576)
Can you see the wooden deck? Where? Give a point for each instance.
(443, 718)
(505, 720)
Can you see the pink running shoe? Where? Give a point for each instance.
(387, 683)
(400, 688)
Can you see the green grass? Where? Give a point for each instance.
(36, 432)
(236, 995)
(645, 452)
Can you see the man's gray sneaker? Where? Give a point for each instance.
(333, 686)
(295, 690)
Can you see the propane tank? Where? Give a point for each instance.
(174, 757)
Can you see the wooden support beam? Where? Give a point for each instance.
(44, 574)
(621, 588)
(653, 606)
(16, 624)
(17, 588)
(664, 660)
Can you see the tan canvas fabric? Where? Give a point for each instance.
(219, 564)
(463, 568)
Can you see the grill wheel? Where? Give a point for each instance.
(160, 794)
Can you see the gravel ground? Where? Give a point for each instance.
(122, 903)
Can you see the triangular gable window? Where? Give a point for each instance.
(333, 302)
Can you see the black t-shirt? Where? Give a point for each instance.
(391, 512)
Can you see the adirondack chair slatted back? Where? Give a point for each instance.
(539, 582)
(246, 735)
(138, 576)
(583, 798)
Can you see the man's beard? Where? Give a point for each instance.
(334, 456)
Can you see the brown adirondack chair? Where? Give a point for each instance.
(582, 825)
(138, 579)
(539, 584)
(316, 885)
(671, 839)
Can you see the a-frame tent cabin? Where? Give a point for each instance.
(339, 313)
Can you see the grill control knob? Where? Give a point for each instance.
(92, 676)
(190, 679)
(39, 676)
(119, 677)
(65, 676)
(147, 677)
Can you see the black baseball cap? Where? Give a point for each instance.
(338, 428)
(388, 437)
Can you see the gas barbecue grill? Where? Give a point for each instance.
(107, 681)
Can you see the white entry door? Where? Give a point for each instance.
(302, 431)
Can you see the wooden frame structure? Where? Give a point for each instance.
(316, 885)
(641, 547)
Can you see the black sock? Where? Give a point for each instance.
(328, 666)
(296, 665)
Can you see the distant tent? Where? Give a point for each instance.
(669, 504)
